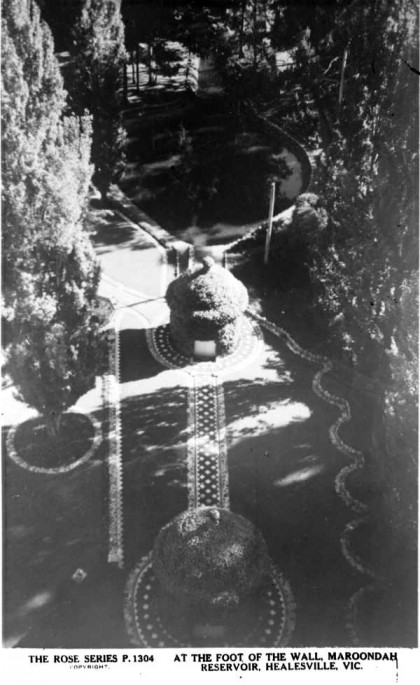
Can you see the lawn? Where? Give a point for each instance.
(154, 434)
(56, 524)
(282, 467)
(203, 171)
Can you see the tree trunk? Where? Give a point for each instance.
(341, 88)
(187, 71)
(104, 195)
(125, 88)
(54, 424)
(241, 30)
(137, 69)
(149, 62)
(324, 127)
(255, 37)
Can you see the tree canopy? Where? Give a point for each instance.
(49, 269)
(369, 171)
(95, 84)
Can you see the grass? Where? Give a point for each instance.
(204, 167)
(281, 477)
(154, 419)
(55, 525)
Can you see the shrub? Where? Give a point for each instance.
(309, 215)
(210, 556)
(206, 304)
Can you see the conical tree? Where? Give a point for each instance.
(49, 270)
(95, 84)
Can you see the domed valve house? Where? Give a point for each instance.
(206, 306)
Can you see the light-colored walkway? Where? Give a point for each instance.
(133, 257)
(135, 269)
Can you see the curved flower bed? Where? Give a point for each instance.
(307, 206)
(281, 137)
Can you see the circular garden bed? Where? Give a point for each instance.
(31, 445)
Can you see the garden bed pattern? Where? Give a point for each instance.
(208, 486)
(207, 452)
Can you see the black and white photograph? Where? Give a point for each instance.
(210, 329)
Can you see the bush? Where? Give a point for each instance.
(309, 215)
(294, 242)
(397, 430)
(206, 304)
(210, 556)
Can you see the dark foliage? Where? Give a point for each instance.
(95, 84)
(210, 556)
(49, 269)
(206, 304)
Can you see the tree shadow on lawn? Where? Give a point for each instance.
(146, 243)
(114, 232)
(220, 182)
(122, 234)
(141, 121)
(211, 173)
(374, 541)
(340, 383)
(284, 294)
(54, 524)
(136, 361)
(154, 434)
(282, 478)
(83, 615)
(294, 387)
(151, 98)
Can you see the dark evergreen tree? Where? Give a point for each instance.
(366, 277)
(95, 84)
(369, 174)
(251, 22)
(49, 270)
(61, 15)
(245, 55)
(200, 27)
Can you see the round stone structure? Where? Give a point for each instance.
(206, 305)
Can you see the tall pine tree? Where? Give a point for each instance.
(50, 274)
(365, 275)
(95, 84)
